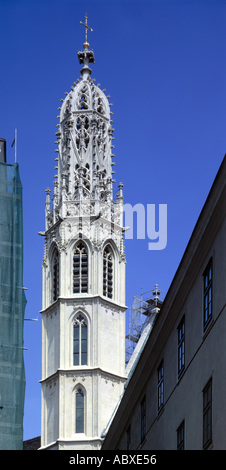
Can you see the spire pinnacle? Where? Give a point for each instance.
(86, 56)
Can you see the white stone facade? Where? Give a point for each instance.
(83, 312)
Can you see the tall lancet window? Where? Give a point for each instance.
(80, 346)
(108, 272)
(55, 275)
(80, 269)
(79, 411)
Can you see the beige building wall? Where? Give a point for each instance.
(205, 352)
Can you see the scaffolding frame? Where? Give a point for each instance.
(145, 307)
(12, 309)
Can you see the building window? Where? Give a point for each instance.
(207, 414)
(79, 411)
(180, 437)
(80, 341)
(181, 346)
(108, 272)
(143, 418)
(80, 268)
(208, 294)
(160, 387)
(55, 275)
(128, 438)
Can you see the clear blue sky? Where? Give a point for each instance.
(164, 65)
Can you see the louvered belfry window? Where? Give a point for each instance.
(80, 269)
(55, 275)
(108, 272)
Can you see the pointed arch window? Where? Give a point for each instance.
(55, 275)
(79, 411)
(80, 269)
(80, 341)
(108, 272)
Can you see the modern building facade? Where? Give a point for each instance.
(12, 306)
(83, 312)
(174, 397)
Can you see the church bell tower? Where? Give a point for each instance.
(83, 306)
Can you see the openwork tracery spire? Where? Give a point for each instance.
(84, 179)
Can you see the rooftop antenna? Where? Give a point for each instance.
(31, 319)
(15, 142)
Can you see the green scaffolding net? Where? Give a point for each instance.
(12, 307)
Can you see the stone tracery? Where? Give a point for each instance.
(84, 141)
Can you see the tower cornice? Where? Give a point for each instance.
(80, 300)
(80, 371)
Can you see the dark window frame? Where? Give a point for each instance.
(208, 294)
(207, 414)
(181, 436)
(128, 438)
(181, 347)
(143, 418)
(160, 372)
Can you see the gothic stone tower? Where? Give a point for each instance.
(83, 312)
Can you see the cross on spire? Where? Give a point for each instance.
(86, 56)
(86, 28)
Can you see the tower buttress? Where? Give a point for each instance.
(83, 312)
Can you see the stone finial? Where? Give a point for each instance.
(120, 193)
(86, 56)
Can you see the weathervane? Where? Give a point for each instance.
(86, 28)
